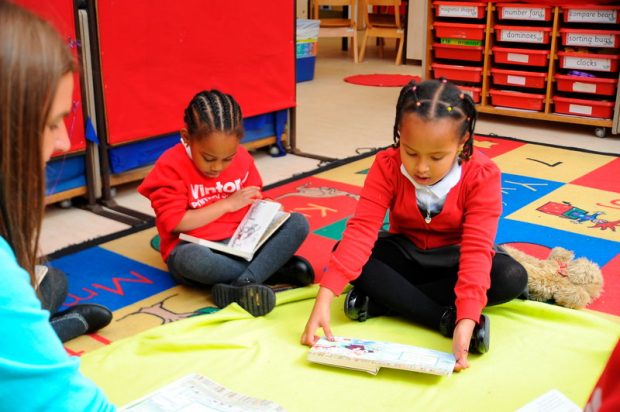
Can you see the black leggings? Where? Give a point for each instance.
(419, 284)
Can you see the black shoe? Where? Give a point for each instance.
(481, 336)
(256, 299)
(297, 271)
(356, 305)
(79, 320)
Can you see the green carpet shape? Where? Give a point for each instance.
(535, 347)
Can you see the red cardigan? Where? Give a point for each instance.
(175, 185)
(469, 218)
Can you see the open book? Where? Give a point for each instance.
(262, 219)
(370, 356)
(196, 393)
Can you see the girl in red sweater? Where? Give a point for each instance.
(204, 187)
(438, 265)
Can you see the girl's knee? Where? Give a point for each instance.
(299, 224)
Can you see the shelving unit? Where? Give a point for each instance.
(542, 61)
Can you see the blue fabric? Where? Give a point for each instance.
(65, 173)
(145, 152)
(36, 372)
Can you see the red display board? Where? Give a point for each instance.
(60, 14)
(156, 54)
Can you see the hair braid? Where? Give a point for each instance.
(213, 111)
(434, 100)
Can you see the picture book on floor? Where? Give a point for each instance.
(196, 393)
(370, 356)
(262, 219)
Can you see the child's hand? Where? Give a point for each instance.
(243, 197)
(319, 317)
(460, 343)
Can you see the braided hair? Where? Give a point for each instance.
(213, 111)
(438, 99)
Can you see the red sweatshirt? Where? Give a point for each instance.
(175, 185)
(469, 218)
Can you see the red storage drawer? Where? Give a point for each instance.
(454, 52)
(522, 34)
(459, 9)
(520, 56)
(527, 101)
(591, 14)
(582, 107)
(461, 73)
(518, 78)
(530, 12)
(473, 92)
(590, 38)
(567, 83)
(459, 30)
(589, 61)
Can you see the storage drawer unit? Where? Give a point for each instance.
(529, 57)
(582, 107)
(455, 52)
(518, 100)
(591, 85)
(460, 9)
(518, 78)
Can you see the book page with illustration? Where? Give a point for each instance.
(263, 218)
(370, 356)
(196, 393)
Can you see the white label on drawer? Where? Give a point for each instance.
(590, 40)
(591, 16)
(587, 63)
(468, 92)
(522, 36)
(518, 57)
(579, 109)
(523, 13)
(518, 80)
(458, 11)
(584, 87)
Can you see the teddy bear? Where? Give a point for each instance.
(573, 283)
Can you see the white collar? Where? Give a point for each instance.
(440, 189)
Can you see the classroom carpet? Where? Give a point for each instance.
(552, 196)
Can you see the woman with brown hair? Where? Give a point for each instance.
(36, 85)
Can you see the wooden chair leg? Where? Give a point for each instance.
(363, 48)
(399, 53)
(381, 46)
(355, 49)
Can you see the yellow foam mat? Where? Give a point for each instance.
(534, 347)
(551, 163)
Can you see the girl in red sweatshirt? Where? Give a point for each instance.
(438, 265)
(204, 186)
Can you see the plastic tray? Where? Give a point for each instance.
(526, 12)
(590, 38)
(459, 9)
(474, 92)
(527, 57)
(459, 30)
(589, 61)
(518, 100)
(591, 14)
(567, 83)
(522, 34)
(582, 107)
(459, 73)
(518, 78)
(449, 51)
